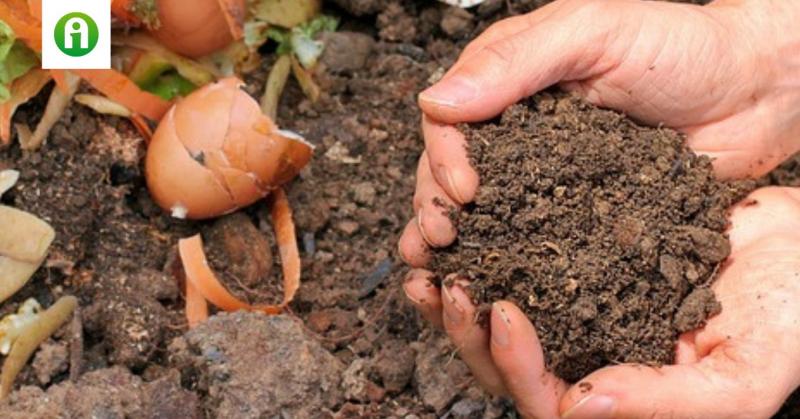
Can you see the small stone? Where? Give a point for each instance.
(347, 227)
(438, 375)
(394, 364)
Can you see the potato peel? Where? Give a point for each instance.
(31, 336)
(201, 279)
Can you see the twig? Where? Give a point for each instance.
(75, 345)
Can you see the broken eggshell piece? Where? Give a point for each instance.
(215, 152)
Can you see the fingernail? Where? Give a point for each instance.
(421, 229)
(444, 173)
(408, 295)
(501, 335)
(453, 312)
(594, 406)
(400, 253)
(451, 92)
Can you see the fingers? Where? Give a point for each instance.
(721, 385)
(449, 161)
(501, 73)
(508, 27)
(471, 339)
(433, 207)
(424, 295)
(412, 247)
(518, 354)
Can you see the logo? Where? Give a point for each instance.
(76, 34)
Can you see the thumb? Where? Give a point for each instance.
(564, 46)
(719, 386)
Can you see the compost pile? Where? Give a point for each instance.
(607, 234)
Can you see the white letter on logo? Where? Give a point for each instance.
(76, 25)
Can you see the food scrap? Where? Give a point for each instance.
(215, 152)
(8, 178)
(24, 240)
(35, 329)
(203, 285)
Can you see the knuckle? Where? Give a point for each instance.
(504, 51)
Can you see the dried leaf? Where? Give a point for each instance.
(24, 240)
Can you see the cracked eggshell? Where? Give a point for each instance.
(199, 27)
(215, 152)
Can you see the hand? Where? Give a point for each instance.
(728, 75)
(742, 364)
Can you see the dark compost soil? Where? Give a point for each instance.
(606, 233)
(350, 347)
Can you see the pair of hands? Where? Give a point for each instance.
(727, 75)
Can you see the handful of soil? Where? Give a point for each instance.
(606, 233)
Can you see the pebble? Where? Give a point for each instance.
(347, 227)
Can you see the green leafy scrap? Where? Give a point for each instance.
(16, 59)
(301, 41)
(170, 85)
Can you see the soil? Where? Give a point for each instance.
(115, 250)
(606, 233)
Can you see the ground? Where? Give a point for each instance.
(349, 329)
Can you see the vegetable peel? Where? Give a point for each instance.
(22, 90)
(200, 277)
(31, 336)
(57, 104)
(12, 325)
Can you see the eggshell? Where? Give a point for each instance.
(215, 152)
(199, 27)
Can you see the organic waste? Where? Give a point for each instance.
(215, 152)
(200, 29)
(24, 241)
(31, 332)
(607, 234)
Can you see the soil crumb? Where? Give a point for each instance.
(607, 234)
